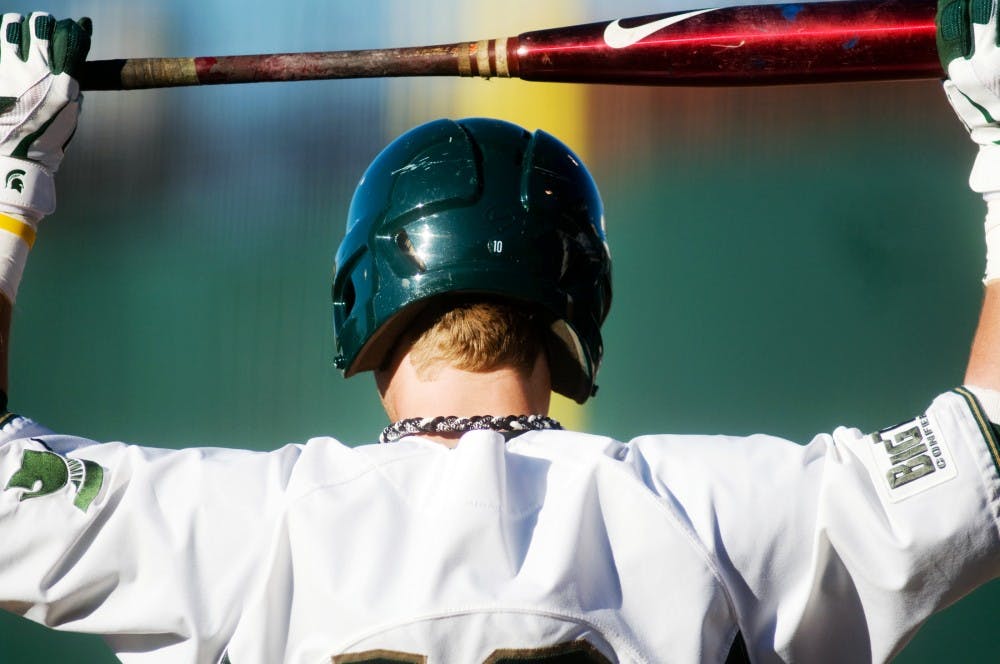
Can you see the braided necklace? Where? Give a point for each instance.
(451, 423)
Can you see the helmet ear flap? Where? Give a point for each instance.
(475, 207)
(569, 362)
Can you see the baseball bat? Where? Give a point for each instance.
(853, 40)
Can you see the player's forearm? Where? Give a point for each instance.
(968, 42)
(984, 361)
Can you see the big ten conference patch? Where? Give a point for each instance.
(910, 458)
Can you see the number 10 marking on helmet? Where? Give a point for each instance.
(496, 246)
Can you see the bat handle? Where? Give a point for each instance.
(138, 73)
(484, 58)
(101, 75)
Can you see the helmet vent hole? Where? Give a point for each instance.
(348, 298)
(405, 245)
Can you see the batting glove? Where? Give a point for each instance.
(969, 49)
(39, 105)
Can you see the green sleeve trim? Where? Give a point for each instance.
(990, 430)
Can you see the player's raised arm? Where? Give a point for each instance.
(970, 52)
(984, 361)
(39, 105)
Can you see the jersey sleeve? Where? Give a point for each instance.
(153, 549)
(838, 550)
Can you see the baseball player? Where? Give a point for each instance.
(473, 280)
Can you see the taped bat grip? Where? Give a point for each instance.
(138, 73)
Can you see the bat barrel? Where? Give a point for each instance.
(756, 45)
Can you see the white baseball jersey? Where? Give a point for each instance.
(553, 546)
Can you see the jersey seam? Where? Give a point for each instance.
(663, 505)
(370, 467)
(373, 467)
(700, 546)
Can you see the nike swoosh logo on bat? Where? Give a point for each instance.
(616, 36)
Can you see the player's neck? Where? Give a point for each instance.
(446, 391)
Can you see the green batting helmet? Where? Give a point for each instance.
(476, 206)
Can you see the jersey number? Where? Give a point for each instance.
(576, 652)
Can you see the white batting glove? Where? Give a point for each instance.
(39, 106)
(967, 40)
(968, 48)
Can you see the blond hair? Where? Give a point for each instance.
(477, 335)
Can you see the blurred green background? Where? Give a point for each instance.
(786, 259)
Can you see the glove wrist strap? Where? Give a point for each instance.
(27, 188)
(27, 193)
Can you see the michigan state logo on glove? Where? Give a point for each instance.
(39, 106)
